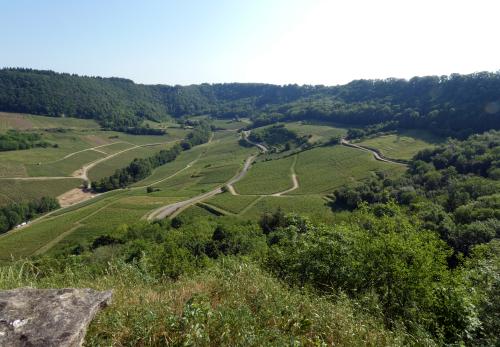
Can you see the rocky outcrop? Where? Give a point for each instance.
(48, 317)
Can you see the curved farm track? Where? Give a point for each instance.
(377, 155)
(172, 210)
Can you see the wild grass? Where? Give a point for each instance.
(319, 132)
(25, 242)
(12, 169)
(115, 147)
(267, 177)
(163, 172)
(109, 166)
(172, 134)
(64, 167)
(216, 163)
(26, 121)
(323, 169)
(233, 303)
(195, 212)
(67, 143)
(403, 145)
(26, 190)
(229, 124)
(232, 203)
(312, 206)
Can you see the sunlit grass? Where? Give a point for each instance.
(403, 145)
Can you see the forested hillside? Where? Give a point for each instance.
(452, 189)
(112, 101)
(456, 105)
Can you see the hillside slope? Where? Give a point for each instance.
(455, 105)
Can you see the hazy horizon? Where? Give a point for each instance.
(277, 42)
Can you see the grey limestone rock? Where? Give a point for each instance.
(48, 317)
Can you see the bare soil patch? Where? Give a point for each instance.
(74, 196)
(16, 121)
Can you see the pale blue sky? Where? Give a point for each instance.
(273, 41)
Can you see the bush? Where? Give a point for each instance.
(383, 258)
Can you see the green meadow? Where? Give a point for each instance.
(267, 177)
(194, 172)
(232, 203)
(25, 190)
(403, 145)
(321, 170)
(318, 132)
(26, 121)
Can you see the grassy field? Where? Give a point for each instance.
(323, 169)
(232, 203)
(81, 225)
(75, 150)
(115, 147)
(25, 121)
(229, 124)
(63, 167)
(25, 190)
(165, 171)
(403, 145)
(109, 166)
(79, 142)
(95, 217)
(12, 162)
(122, 209)
(196, 171)
(320, 133)
(216, 163)
(267, 177)
(312, 206)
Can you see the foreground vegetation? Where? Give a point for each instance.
(379, 278)
(228, 304)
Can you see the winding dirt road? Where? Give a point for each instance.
(83, 172)
(188, 165)
(172, 210)
(376, 155)
(95, 148)
(294, 180)
(260, 146)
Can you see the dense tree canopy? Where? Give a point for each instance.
(17, 213)
(381, 258)
(14, 140)
(456, 105)
(454, 189)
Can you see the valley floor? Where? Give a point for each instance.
(218, 177)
